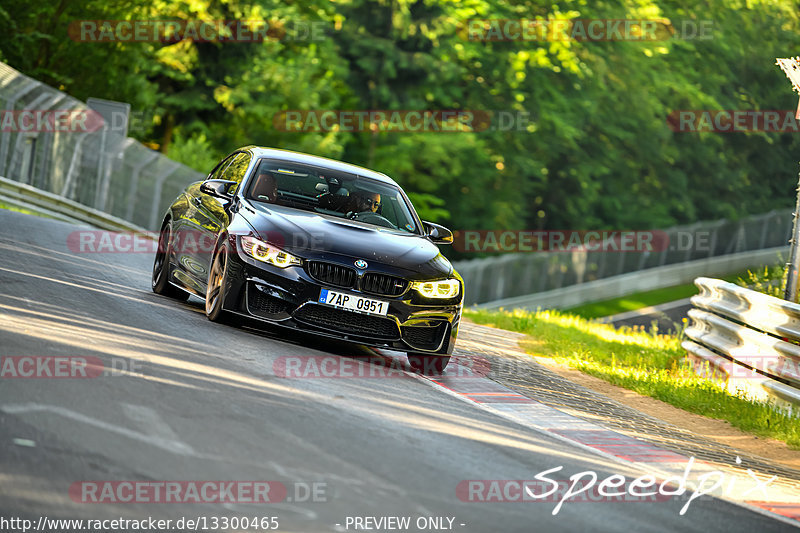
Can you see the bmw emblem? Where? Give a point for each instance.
(361, 264)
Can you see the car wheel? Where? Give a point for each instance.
(215, 292)
(161, 270)
(428, 364)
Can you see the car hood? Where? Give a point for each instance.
(319, 237)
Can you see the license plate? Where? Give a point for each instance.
(351, 302)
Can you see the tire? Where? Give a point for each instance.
(215, 291)
(429, 365)
(161, 269)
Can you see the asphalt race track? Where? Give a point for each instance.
(193, 400)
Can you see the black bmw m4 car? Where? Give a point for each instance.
(316, 245)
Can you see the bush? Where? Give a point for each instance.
(770, 280)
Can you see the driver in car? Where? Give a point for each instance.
(365, 206)
(368, 202)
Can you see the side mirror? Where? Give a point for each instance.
(438, 234)
(218, 188)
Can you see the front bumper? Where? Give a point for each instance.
(289, 297)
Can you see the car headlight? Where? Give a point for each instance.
(446, 288)
(267, 253)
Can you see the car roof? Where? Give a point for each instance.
(315, 160)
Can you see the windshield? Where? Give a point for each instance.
(329, 192)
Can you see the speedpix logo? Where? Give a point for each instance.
(588, 486)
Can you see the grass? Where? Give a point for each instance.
(633, 302)
(15, 208)
(23, 210)
(649, 363)
(640, 300)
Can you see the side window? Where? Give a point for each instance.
(237, 168)
(215, 174)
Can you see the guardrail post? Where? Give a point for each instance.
(45, 150)
(155, 209)
(101, 155)
(28, 86)
(72, 171)
(22, 137)
(764, 227)
(790, 292)
(477, 282)
(134, 185)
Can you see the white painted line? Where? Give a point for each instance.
(152, 423)
(159, 442)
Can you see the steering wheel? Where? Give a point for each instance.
(371, 218)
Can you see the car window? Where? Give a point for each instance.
(236, 170)
(215, 174)
(329, 192)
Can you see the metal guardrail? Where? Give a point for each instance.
(516, 275)
(747, 339)
(639, 281)
(25, 195)
(98, 168)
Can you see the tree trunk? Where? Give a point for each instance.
(169, 128)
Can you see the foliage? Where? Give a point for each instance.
(195, 151)
(769, 280)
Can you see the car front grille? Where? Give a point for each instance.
(331, 274)
(347, 322)
(383, 284)
(424, 337)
